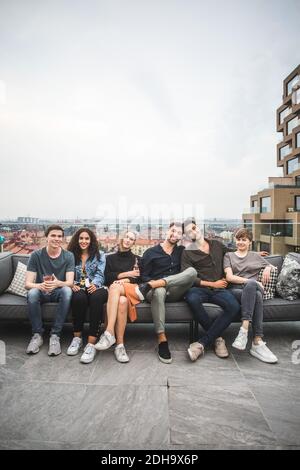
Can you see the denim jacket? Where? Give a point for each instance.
(94, 269)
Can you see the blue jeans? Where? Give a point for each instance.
(213, 328)
(36, 298)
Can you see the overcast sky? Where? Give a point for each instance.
(152, 101)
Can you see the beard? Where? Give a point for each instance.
(172, 242)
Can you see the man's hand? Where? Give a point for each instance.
(220, 284)
(42, 287)
(75, 288)
(263, 253)
(51, 285)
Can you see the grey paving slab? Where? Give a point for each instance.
(144, 369)
(280, 402)
(79, 413)
(212, 415)
(41, 367)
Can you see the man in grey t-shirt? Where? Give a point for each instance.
(49, 278)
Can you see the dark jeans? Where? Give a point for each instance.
(81, 300)
(36, 297)
(250, 296)
(213, 328)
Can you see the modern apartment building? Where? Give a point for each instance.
(274, 215)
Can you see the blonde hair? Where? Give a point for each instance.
(124, 235)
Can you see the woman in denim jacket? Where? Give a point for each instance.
(88, 291)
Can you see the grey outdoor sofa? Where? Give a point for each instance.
(13, 307)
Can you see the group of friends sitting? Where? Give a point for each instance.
(199, 271)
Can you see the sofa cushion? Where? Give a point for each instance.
(270, 286)
(17, 285)
(288, 285)
(19, 258)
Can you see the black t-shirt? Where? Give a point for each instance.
(118, 263)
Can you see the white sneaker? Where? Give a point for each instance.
(106, 341)
(35, 344)
(75, 346)
(54, 346)
(120, 353)
(241, 340)
(263, 353)
(89, 354)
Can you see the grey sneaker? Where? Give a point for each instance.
(106, 341)
(75, 346)
(89, 354)
(195, 350)
(120, 353)
(35, 344)
(54, 346)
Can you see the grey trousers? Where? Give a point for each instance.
(250, 296)
(176, 287)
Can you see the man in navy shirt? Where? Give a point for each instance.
(162, 264)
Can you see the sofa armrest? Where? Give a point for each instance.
(6, 270)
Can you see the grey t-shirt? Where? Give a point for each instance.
(41, 263)
(247, 267)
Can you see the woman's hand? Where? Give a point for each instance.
(266, 274)
(92, 288)
(75, 288)
(122, 281)
(133, 273)
(260, 285)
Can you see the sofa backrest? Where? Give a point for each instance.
(16, 258)
(276, 260)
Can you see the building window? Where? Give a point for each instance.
(293, 165)
(288, 232)
(298, 139)
(284, 114)
(291, 83)
(284, 151)
(277, 228)
(296, 97)
(297, 203)
(265, 204)
(297, 181)
(248, 224)
(292, 124)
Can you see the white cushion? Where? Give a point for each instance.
(17, 285)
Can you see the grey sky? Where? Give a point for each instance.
(157, 101)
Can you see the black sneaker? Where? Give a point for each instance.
(142, 290)
(164, 352)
